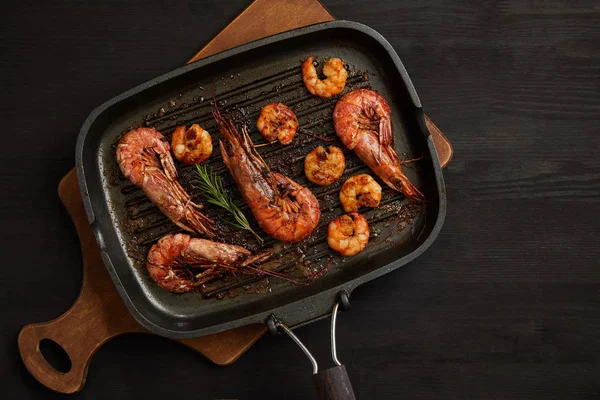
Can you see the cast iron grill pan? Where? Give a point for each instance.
(244, 79)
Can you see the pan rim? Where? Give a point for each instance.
(329, 294)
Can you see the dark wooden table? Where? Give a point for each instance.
(506, 303)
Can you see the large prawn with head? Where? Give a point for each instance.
(284, 209)
(145, 159)
(179, 263)
(362, 121)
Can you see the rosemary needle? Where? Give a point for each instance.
(211, 186)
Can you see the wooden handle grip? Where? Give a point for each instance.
(79, 348)
(333, 384)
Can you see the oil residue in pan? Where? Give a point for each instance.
(391, 223)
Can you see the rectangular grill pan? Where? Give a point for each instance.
(244, 79)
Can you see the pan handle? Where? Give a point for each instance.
(332, 383)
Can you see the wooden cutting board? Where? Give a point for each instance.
(99, 314)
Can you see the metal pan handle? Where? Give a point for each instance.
(332, 383)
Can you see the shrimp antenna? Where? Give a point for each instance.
(216, 112)
(279, 275)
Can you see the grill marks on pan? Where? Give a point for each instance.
(228, 95)
(314, 115)
(317, 243)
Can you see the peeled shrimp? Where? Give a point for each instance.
(363, 123)
(191, 146)
(360, 191)
(277, 121)
(348, 234)
(335, 71)
(324, 167)
(145, 159)
(179, 263)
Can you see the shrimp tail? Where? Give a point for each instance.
(409, 190)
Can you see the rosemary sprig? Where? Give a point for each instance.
(211, 186)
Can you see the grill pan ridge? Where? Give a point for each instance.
(244, 79)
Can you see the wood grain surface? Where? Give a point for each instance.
(263, 18)
(504, 305)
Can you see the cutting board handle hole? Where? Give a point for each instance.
(55, 355)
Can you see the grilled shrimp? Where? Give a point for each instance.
(324, 167)
(171, 260)
(191, 146)
(144, 158)
(360, 191)
(335, 71)
(284, 209)
(348, 234)
(277, 121)
(362, 121)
